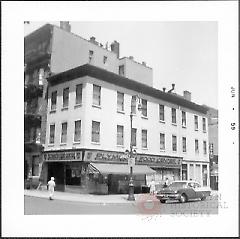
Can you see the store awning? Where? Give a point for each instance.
(119, 169)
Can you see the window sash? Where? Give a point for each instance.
(196, 122)
(144, 138)
(174, 143)
(174, 116)
(184, 144)
(204, 124)
(120, 101)
(161, 112)
(120, 135)
(78, 94)
(144, 107)
(133, 104)
(65, 97)
(121, 70)
(134, 137)
(162, 141)
(184, 119)
(96, 95)
(64, 133)
(77, 131)
(52, 134)
(54, 100)
(204, 147)
(196, 146)
(95, 131)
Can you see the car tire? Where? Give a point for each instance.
(162, 201)
(183, 198)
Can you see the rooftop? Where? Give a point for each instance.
(104, 75)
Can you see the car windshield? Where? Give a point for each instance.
(178, 184)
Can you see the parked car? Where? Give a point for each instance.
(183, 191)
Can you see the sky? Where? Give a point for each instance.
(183, 53)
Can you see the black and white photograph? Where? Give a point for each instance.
(124, 120)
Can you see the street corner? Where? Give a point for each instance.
(148, 204)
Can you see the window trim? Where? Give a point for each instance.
(159, 107)
(196, 151)
(122, 103)
(96, 142)
(185, 144)
(100, 96)
(76, 87)
(173, 135)
(146, 139)
(122, 127)
(164, 149)
(174, 123)
(64, 107)
(51, 104)
(196, 128)
(77, 142)
(49, 142)
(63, 143)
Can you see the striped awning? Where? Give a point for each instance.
(119, 169)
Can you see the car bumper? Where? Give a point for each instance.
(168, 196)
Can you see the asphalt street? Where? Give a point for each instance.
(43, 206)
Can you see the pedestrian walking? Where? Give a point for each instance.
(152, 187)
(166, 183)
(51, 185)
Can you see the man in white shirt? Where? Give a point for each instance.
(51, 185)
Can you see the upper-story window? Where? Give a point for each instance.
(161, 113)
(96, 95)
(174, 116)
(184, 144)
(120, 101)
(144, 138)
(204, 124)
(121, 70)
(77, 131)
(174, 143)
(65, 97)
(64, 133)
(54, 100)
(120, 135)
(162, 141)
(196, 146)
(144, 108)
(204, 147)
(195, 122)
(78, 94)
(91, 55)
(104, 60)
(95, 131)
(134, 137)
(52, 134)
(184, 119)
(133, 104)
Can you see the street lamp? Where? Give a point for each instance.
(132, 153)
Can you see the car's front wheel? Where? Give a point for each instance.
(183, 198)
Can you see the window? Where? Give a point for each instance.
(52, 134)
(162, 141)
(196, 146)
(161, 112)
(174, 116)
(196, 122)
(184, 144)
(104, 60)
(184, 123)
(95, 131)
(77, 131)
(54, 100)
(134, 137)
(64, 133)
(90, 56)
(144, 138)
(184, 171)
(121, 70)
(174, 143)
(204, 124)
(204, 147)
(144, 108)
(120, 101)
(96, 95)
(133, 104)
(119, 135)
(78, 94)
(65, 97)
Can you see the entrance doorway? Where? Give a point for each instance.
(56, 170)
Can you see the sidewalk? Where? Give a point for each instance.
(89, 198)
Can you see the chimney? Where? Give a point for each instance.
(93, 40)
(131, 58)
(173, 86)
(115, 46)
(65, 26)
(144, 63)
(164, 89)
(187, 95)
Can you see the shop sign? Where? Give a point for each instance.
(63, 156)
(139, 159)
